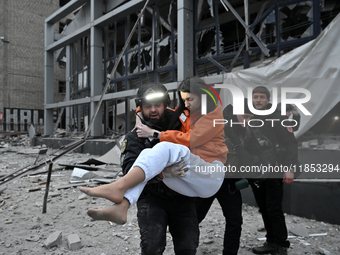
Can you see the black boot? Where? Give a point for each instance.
(267, 248)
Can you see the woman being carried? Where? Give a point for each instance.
(205, 158)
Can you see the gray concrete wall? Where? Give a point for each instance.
(22, 69)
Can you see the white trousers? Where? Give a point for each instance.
(203, 179)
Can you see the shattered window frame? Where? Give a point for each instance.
(80, 69)
(220, 47)
(150, 57)
(142, 57)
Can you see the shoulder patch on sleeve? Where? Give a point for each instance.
(183, 117)
(123, 146)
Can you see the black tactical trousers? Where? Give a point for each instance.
(231, 203)
(155, 214)
(269, 200)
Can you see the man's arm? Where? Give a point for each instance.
(131, 148)
(287, 139)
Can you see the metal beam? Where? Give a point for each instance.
(69, 39)
(65, 10)
(185, 39)
(217, 64)
(249, 32)
(111, 75)
(117, 95)
(120, 12)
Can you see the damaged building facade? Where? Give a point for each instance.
(22, 63)
(173, 40)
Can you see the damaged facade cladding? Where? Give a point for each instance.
(173, 40)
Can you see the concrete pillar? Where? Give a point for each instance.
(49, 79)
(96, 72)
(185, 41)
(68, 116)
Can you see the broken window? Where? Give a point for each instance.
(152, 46)
(296, 21)
(62, 87)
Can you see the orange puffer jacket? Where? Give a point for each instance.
(200, 136)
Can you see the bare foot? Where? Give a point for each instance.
(116, 213)
(108, 191)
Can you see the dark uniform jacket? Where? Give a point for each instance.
(132, 147)
(252, 147)
(282, 137)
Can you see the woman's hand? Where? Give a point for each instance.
(175, 170)
(144, 131)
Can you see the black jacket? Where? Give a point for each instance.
(132, 147)
(282, 137)
(247, 146)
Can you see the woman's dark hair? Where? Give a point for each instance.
(197, 86)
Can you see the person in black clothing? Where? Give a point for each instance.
(269, 194)
(158, 206)
(247, 147)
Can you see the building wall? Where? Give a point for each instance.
(22, 52)
(22, 67)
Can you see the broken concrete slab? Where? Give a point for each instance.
(299, 230)
(80, 175)
(54, 194)
(313, 143)
(324, 251)
(111, 157)
(33, 238)
(331, 146)
(305, 145)
(74, 242)
(33, 189)
(82, 197)
(53, 239)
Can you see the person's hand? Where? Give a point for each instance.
(288, 177)
(175, 170)
(144, 131)
(138, 120)
(295, 110)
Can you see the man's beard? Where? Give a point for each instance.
(154, 122)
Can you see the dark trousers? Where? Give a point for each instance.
(231, 204)
(155, 214)
(269, 200)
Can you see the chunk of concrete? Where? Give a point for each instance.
(324, 251)
(74, 242)
(80, 175)
(313, 143)
(53, 239)
(331, 146)
(299, 230)
(305, 145)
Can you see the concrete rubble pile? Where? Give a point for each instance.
(14, 139)
(65, 227)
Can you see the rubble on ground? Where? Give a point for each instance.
(66, 228)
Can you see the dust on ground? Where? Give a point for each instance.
(24, 229)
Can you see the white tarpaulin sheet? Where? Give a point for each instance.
(314, 66)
